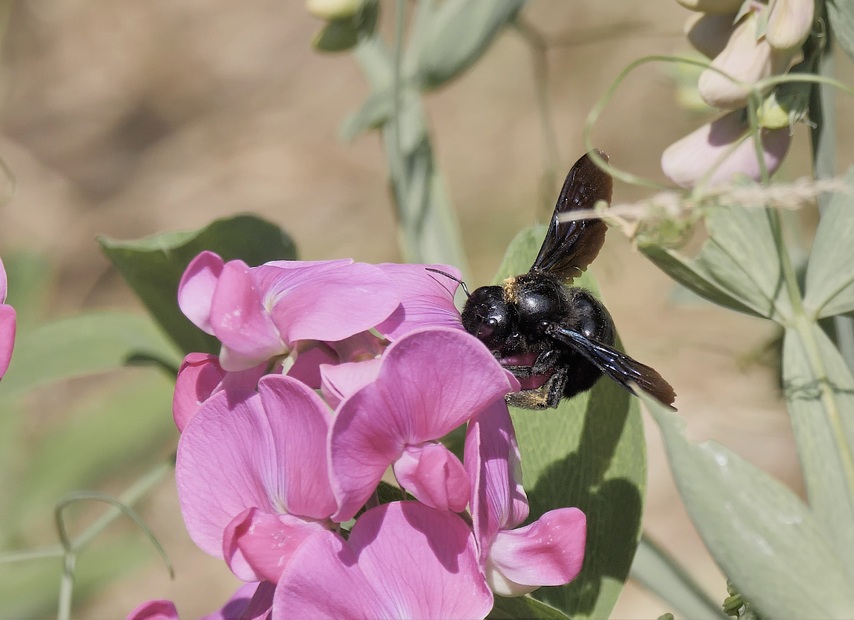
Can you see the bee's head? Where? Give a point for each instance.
(487, 317)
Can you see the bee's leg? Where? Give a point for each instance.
(547, 396)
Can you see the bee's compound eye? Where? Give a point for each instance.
(486, 316)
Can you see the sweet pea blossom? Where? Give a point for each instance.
(428, 383)
(723, 149)
(261, 313)
(401, 560)
(549, 551)
(252, 475)
(8, 324)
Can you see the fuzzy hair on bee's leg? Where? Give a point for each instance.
(547, 396)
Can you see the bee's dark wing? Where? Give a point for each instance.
(570, 246)
(616, 365)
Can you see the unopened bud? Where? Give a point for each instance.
(333, 9)
(789, 23)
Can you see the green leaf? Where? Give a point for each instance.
(764, 538)
(830, 278)
(589, 453)
(819, 391)
(523, 607)
(738, 266)
(841, 16)
(456, 36)
(153, 266)
(82, 345)
(659, 573)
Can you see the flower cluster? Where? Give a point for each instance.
(330, 375)
(8, 323)
(748, 41)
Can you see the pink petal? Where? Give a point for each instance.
(434, 476)
(341, 380)
(198, 376)
(430, 382)
(240, 320)
(239, 451)
(493, 463)
(257, 546)
(251, 601)
(3, 282)
(306, 368)
(327, 301)
(8, 327)
(154, 610)
(439, 378)
(300, 421)
(548, 552)
(724, 148)
(403, 560)
(427, 299)
(362, 444)
(196, 289)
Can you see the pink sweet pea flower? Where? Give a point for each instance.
(402, 560)
(549, 551)
(261, 313)
(8, 325)
(252, 475)
(429, 382)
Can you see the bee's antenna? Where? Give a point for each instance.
(454, 278)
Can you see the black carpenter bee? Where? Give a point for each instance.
(559, 338)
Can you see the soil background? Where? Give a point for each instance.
(127, 118)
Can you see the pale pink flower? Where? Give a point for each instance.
(718, 152)
(745, 60)
(789, 23)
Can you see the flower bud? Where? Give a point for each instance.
(333, 9)
(723, 149)
(745, 59)
(789, 23)
(786, 105)
(709, 34)
(713, 7)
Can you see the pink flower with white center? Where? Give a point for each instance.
(252, 475)
(263, 312)
(719, 151)
(429, 382)
(549, 551)
(402, 560)
(8, 325)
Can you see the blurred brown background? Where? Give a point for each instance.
(127, 118)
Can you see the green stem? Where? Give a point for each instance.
(72, 546)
